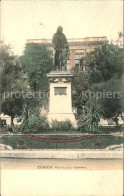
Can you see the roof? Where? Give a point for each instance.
(71, 40)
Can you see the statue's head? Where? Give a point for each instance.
(59, 29)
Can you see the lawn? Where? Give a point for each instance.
(23, 142)
(102, 130)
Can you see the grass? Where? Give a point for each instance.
(102, 130)
(99, 142)
(111, 129)
(51, 131)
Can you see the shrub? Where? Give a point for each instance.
(61, 125)
(30, 117)
(42, 124)
(90, 117)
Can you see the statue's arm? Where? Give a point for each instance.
(67, 47)
(66, 42)
(53, 41)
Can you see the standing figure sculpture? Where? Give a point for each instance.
(61, 50)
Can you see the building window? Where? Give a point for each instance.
(78, 56)
(68, 64)
(81, 55)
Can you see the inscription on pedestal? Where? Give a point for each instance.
(60, 90)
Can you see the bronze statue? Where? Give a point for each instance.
(61, 50)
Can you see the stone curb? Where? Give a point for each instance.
(62, 154)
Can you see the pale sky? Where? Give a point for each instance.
(37, 19)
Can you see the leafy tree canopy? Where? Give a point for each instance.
(13, 82)
(105, 74)
(104, 62)
(36, 62)
(110, 96)
(80, 87)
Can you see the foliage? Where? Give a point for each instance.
(12, 106)
(104, 62)
(36, 63)
(30, 117)
(99, 142)
(13, 82)
(12, 76)
(42, 124)
(4, 58)
(111, 129)
(111, 97)
(91, 114)
(105, 73)
(80, 86)
(61, 125)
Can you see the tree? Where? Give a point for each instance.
(105, 73)
(80, 87)
(4, 57)
(36, 63)
(111, 98)
(13, 82)
(104, 62)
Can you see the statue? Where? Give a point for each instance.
(61, 50)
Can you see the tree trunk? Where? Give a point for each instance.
(12, 125)
(122, 117)
(115, 119)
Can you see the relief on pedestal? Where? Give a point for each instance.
(60, 80)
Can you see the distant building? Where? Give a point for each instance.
(78, 47)
(7, 120)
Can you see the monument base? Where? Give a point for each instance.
(60, 101)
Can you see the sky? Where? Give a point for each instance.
(37, 19)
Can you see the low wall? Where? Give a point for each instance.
(63, 154)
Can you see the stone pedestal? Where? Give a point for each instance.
(60, 101)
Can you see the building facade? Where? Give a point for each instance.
(78, 47)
